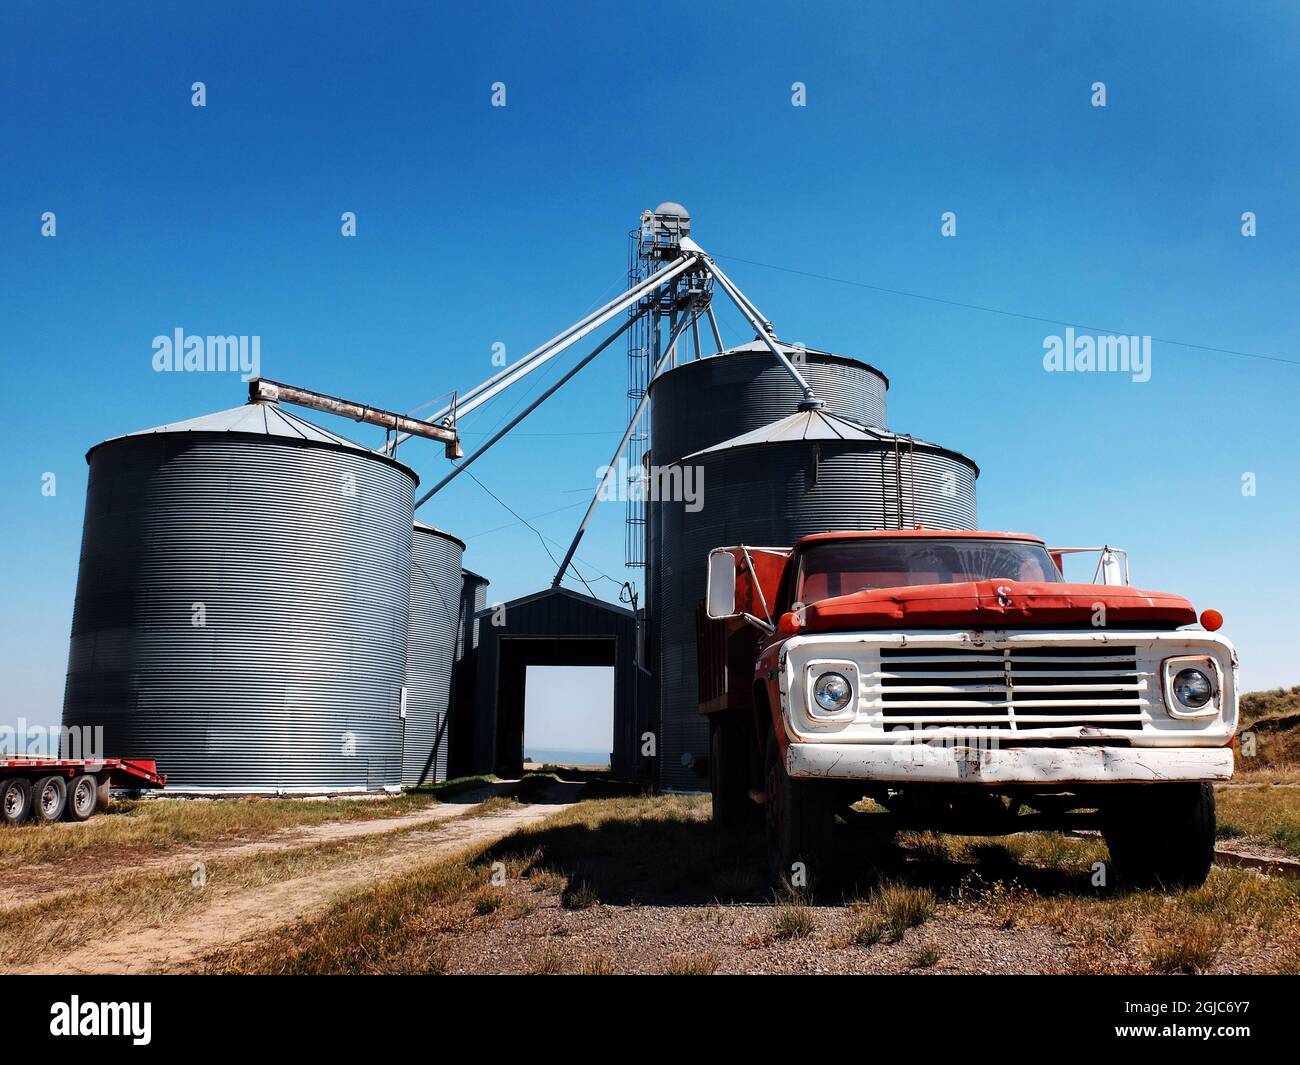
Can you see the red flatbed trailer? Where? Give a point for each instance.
(46, 790)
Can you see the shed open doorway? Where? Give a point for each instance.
(569, 715)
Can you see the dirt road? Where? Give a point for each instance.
(236, 914)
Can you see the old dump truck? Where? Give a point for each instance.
(45, 790)
(957, 680)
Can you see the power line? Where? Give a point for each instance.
(1006, 313)
(534, 517)
(542, 538)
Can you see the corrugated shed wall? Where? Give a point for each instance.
(241, 610)
(437, 586)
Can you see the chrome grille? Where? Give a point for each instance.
(1018, 688)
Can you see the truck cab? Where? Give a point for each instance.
(961, 683)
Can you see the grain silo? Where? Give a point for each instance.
(464, 674)
(704, 401)
(807, 473)
(695, 405)
(241, 605)
(437, 590)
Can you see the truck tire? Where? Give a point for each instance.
(15, 800)
(799, 816)
(49, 799)
(1161, 835)
(729, 770)
(83, 797)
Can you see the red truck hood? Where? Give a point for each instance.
(995, 604)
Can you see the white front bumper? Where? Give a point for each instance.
(1012, 765)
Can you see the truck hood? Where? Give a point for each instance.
(996, 604)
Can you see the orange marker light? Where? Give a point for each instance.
(1211, 620)
(789, 622)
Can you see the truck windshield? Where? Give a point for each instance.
(841, 567)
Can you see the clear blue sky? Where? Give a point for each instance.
(479, 224)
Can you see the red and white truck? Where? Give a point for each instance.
(957, 679)
(45, 790)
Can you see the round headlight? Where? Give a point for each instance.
(832, 692)
(1193, 688)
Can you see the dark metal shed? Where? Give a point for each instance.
(556, 627)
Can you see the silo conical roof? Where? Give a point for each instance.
(259, 419)
(815, 425)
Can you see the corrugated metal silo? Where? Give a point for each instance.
(437, 587)
(465, 673)
(702, 402)
(808, 473)
(241, 606)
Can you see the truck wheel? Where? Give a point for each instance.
(83, 797)
(103, 792)
(49, 799)
(799, 818)
(729, 770)
(16, 800)
(1162, 835)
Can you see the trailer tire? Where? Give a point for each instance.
(103, 792)
(49, 800)
(15, 800)
(729, 771)
(799, 817)
(1162, 835)
(83, 797)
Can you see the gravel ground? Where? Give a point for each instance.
(732, 939)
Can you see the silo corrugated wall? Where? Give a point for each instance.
(465, 674)
(770, 495)
(706, 401)
(437, 587)
(241, 609)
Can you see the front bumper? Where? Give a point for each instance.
(922, 763)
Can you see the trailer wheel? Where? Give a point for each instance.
(49, 799)
(15, 800)
(103, 792)
(83, 797)
(729, 771)
(1161, 835)
(799, 819)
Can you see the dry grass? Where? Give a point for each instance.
(702, 964)
(865, 930)
(498, 804)
(548, 962)
(1190, 949)
(1264, 813)
(902, 906)
(791, 922)
(923, 957)
(595, 965)
(68, 921)
(142, 827)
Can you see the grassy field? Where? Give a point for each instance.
(1274, 719)
(1267, 813)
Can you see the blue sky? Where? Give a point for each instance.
(479, 224)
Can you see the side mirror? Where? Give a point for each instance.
(720, 598)
(1112, 570)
